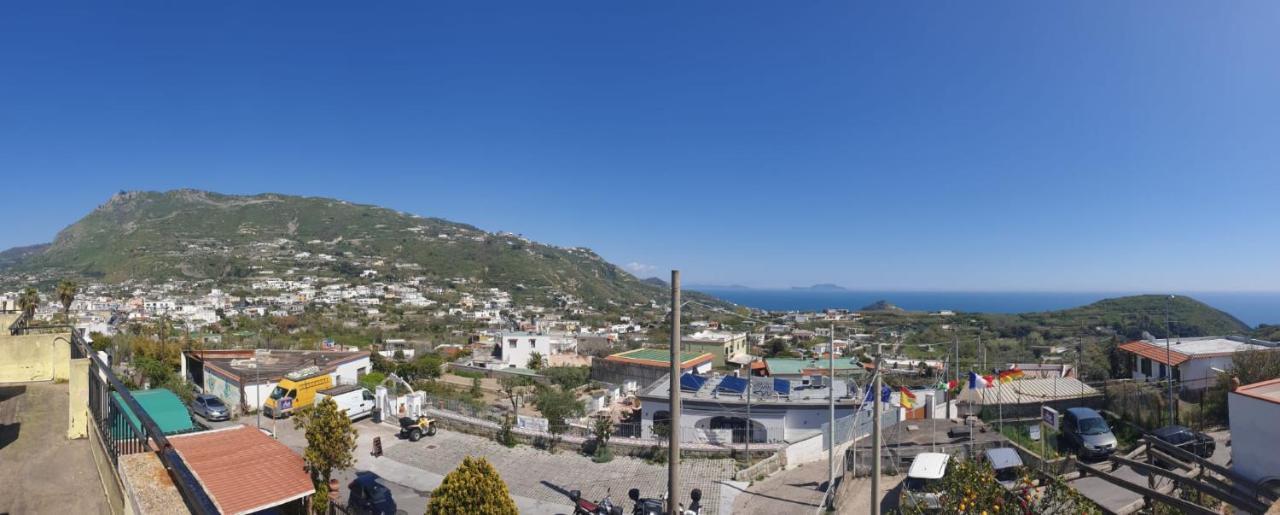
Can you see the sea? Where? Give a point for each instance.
(1252, 308)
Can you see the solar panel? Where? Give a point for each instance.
(691, 383)
(732, 385)
(782, 386)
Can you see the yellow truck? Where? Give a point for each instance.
(296, 390)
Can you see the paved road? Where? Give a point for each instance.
(538, 480)
(1113, 497)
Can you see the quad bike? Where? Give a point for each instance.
(415, 428)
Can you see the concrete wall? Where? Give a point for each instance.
(78, 405)
(1255, 429)
(35, 357)
(349, 373)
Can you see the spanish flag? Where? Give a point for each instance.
(907, 400)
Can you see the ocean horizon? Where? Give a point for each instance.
(1252, 308)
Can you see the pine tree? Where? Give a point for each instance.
(473, 488)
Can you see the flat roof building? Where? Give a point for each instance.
(1255, 429)
(244, 378)
(636, 368)
(713, 408)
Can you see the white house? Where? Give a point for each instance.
(1255, 429)
(516, 347)
(1195, 362)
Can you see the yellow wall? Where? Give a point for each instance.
(78, 389)
(35, 357)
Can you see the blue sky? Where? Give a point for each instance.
(942, 146)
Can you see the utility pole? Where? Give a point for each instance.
(1168, 356)
(875, 439)
(955, 344)
(831, 420)
(673, 459)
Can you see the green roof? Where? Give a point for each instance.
(163, 406)
(796, 366)
(659, 355)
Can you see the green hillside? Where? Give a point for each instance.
(197, 235)
(1126, 316)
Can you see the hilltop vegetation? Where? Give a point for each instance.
(196, 235)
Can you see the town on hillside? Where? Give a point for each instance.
(557, 396)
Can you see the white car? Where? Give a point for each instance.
(353, 400)
(923, 486)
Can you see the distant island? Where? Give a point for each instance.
(821, 287)
(881, 305)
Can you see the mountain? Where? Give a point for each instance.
(197, 235)
(821, 287)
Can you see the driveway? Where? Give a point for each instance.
(1114, 498)
(538, 480)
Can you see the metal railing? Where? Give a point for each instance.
(121, 435)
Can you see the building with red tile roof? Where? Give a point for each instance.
(1193, 362)
(244, 470)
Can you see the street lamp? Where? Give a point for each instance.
(1168, 355)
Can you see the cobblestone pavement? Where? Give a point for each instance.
(544, 476)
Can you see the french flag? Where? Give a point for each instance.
(977, 382)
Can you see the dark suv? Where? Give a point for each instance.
(1087, 432)
(1195, 442)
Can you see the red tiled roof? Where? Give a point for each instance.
(242, 469)
(1155, 353)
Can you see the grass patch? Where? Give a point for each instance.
(1018, 435)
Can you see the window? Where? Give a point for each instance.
(1145, 366)
(511, 343)
(1163, 372)
(368, 396)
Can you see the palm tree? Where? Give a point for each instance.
(28, 301)
(66, 295)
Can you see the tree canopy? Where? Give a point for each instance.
(474, 488)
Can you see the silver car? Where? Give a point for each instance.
(210, 408)
(1086, 431)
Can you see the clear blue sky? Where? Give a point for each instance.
(1082, 145)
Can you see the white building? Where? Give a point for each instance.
(1255, 429)
(514, 349)
(1195, 362)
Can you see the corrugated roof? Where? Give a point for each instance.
(1157, 354)
(161, 405)
(1028, 391)
(242, 469)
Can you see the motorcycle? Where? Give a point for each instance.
(651, 506)
(584, 507)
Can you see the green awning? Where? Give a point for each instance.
(161, 405)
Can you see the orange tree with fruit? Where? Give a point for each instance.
(971, 488)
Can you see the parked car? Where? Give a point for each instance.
(1084, 430)
(1007, 465)
(354, 400)
(1195, 442)
(369, 497)
(210, 408)
(923, 487)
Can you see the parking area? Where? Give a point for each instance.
(538, 480)
(1114, 498)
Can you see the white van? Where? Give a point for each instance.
(353, 400)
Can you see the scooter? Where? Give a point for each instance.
(584, 507)
(651, 506)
